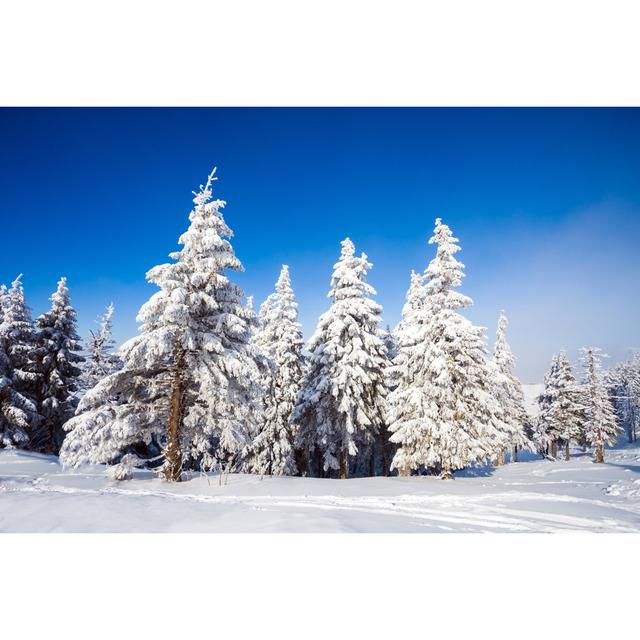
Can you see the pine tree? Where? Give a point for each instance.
(561, 415)
(101, 359)
(280, 338)
(601, 427)
(546, 434)
(18, 337)
(406, 332)
(443, 413)
(623, 385)
(189, 379)
(57, 358)
(15, 410)
(509, 394)
(341, 404)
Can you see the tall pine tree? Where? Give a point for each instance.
(189, 379)
(18, 336)
(443, 413)
(280, 338)
(16, 411)
(508, 390)
(600, 424)
(561, 415)
(341, 405)
(57, 356)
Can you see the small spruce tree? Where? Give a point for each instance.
(57, 356)
(101, 358)
(509, 394)
(601, 427)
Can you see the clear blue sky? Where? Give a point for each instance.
(546, 203)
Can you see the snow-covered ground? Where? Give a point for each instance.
(37, 495)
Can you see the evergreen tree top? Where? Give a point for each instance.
(283, 284)
(16, 310)
(445, 271)
(502, 354)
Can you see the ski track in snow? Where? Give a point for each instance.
(517, 498)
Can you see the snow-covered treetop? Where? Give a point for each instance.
(106, 320)
(279, 326)
(415, 295)
(348, 279)
(502, 354)
(17, 327)
(16, 309)
(203, 196)
(61, 312)
(592, 353)
(197, 301)
(286, 297)
(445, 272)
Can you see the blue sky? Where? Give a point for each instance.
(546, 203)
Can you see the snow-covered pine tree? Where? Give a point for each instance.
(18, 336)
(544, 434)
(509, 394)
(15, 409)
(561, 415)
(443, 414)
(623, 385)
(341, 404)
(101, 358)
(57, 356)
(569, 409)
(600, 420)
(189, 379)
(280, 339)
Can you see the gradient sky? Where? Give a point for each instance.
(546, 203)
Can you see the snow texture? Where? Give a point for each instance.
(38, 495)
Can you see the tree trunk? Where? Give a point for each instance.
(172, 469)
(446, 474)
(344, 465)
(515, 454)
(599, 456)
(385, 460)
(554, 449)
(567, 455)
(372, 461)
(302, 462)
(319, 470)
